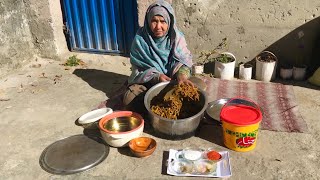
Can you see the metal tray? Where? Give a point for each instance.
(214, 108)
(73, 154)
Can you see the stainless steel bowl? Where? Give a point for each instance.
(119, 127)
(173, 128)
(122, 124)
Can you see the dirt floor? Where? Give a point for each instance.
(40, 103)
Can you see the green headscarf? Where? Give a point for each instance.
(151, 56)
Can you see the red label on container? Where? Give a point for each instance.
(245, 141)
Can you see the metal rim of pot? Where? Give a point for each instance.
(170, 120)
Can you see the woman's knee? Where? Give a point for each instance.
(132, 92)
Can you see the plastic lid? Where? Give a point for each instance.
(94, 115)
(73, 154)
(240, 115)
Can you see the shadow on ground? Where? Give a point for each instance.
(165, 162)
(300, 46)
(210, 130)
(126, 151)
(297, 83)
(107, 82)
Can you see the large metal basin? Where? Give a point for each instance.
(180, 128)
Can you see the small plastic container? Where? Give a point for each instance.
(192, 154)
(179, 155)
(212, 155)
(182, 166)
(204, 166)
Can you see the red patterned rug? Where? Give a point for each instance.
(276, 100)
(280, 109)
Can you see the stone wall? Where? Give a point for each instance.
(15, 37)
(26, 31)
(288, 28)
(40, 23)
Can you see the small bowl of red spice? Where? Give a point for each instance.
(213, 155)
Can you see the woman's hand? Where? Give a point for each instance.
(163, 78)
(182, 78)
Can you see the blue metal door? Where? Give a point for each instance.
(106, 26)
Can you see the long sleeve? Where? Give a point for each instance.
(142, 76)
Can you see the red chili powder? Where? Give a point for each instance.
(213, 155)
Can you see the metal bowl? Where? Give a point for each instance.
(168, 128)
(122, 124)
(119, 127)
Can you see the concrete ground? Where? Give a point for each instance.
(40, 103)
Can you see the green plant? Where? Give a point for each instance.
(207, 56)
(224, 58)
(72, 61)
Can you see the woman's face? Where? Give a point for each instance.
(158, 26)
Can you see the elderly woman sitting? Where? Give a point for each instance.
(159, 53)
